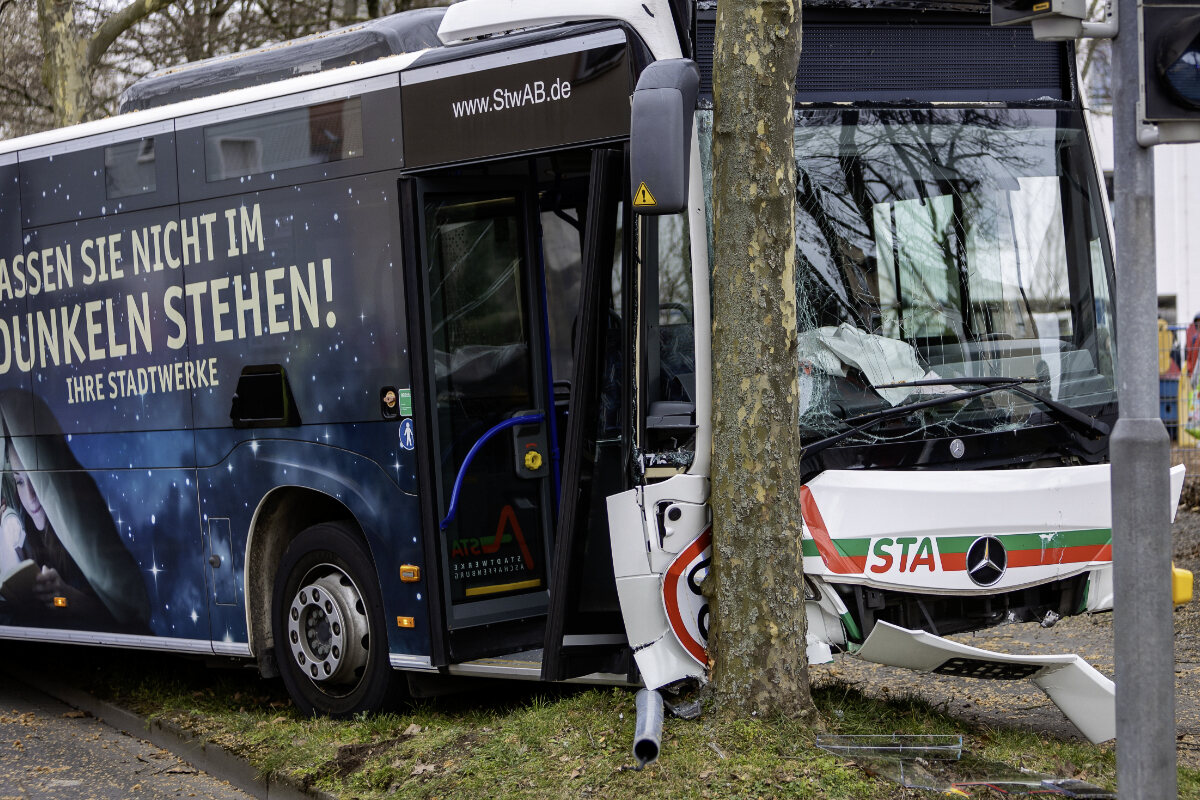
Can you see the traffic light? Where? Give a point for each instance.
(1170, 74)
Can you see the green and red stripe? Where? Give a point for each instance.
(849, 555)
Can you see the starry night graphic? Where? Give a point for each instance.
(320, 303)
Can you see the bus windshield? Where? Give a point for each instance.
(948, 243)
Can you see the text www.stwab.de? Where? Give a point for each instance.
(501, 99)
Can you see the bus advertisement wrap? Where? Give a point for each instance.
(96, 331)
(120, 333)
(121, 308)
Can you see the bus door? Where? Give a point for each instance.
(584, 628)
(482, 415)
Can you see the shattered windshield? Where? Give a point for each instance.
(937, 244)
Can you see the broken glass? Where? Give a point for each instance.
(943, 243)
(939, 763)
(948, 243)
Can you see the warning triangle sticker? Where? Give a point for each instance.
(643, 197)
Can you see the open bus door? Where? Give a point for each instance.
(512, 569)
(584, 630)
(481, 408)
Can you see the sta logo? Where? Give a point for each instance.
(903, 554)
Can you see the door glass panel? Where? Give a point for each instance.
(677, 340)
(562, 254)
(483, 374)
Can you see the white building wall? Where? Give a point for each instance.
(1177, 218)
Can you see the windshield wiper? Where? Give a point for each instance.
(1075, 419)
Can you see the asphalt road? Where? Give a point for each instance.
(1020, 704)
(50, 751)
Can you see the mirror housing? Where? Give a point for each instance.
(664, 103)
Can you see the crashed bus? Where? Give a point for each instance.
(383, 356)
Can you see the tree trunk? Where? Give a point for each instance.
(759, 624)
(64, 69)
(71, 55)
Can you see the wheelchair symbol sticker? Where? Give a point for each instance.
(408, 439)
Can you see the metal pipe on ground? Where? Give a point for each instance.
(648, 731)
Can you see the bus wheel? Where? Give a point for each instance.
(327, 619)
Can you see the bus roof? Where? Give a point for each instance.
(475, 18)
(70, 137)
(407, 32)
(333, 58)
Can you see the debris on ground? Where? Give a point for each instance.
(939, 763)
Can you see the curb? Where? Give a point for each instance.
(201, 754)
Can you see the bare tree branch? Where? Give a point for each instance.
(25, 97)
(117, 23)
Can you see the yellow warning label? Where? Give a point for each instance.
(1041, 6)
(643, 197)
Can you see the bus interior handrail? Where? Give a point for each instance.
(524, 419)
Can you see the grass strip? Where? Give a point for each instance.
(528, 740)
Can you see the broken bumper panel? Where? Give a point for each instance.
(1084, 695)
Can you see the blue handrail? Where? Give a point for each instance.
(527, 419)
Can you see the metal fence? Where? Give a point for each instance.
(1178, 389)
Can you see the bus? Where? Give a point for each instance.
(383, 356)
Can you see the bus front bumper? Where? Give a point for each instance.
(1085, 696)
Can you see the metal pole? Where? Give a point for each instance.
(1142, 615)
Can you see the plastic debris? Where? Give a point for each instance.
(940, 764)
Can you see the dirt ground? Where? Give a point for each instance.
(1020, 703)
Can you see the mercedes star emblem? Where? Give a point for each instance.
(986, 560)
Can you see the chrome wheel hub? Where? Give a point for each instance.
(327, 627)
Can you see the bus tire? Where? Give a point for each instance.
(327, 620)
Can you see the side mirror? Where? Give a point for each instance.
(664, 104)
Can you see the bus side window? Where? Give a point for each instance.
(133, 174)
(562, 256)
(320, 135)
(669, 376)
(131, 168)
(676, 335)
(297, 137)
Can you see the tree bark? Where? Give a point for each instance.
(64, 66)
(759, 626)
(71, 55)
